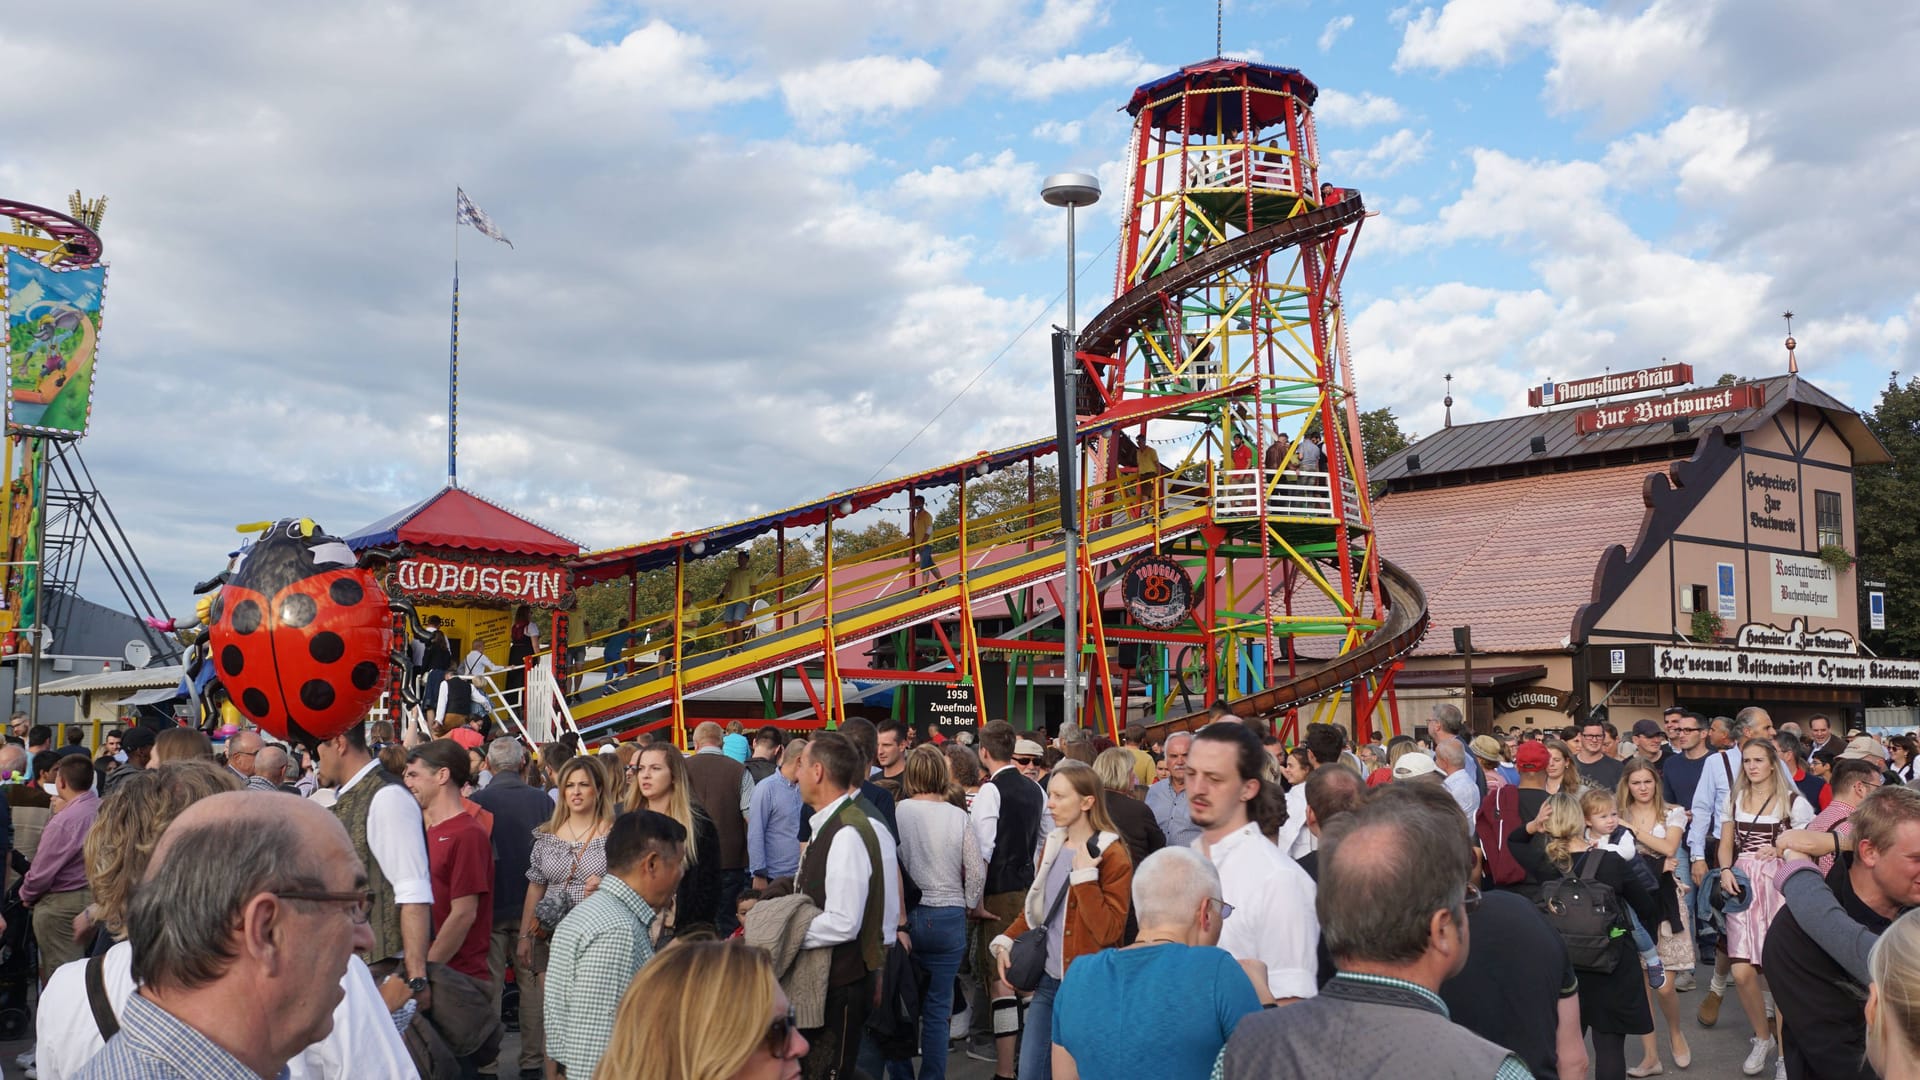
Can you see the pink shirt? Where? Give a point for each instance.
(59, 863)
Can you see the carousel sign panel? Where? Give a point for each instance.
(473, 578)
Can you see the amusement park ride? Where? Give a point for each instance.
(1227, 339)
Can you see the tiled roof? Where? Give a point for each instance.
(1513, 558)
(1505, 445)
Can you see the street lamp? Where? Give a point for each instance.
(1071, 190)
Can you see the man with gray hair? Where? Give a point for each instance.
(1709, 813)
(517, 811)
(1447, 725)
(265, 931)
(1393, 902)
(1111, 1012)
(1452, 758)
(773, 820)
(271, 766)
(1168, 798)
(243, 754)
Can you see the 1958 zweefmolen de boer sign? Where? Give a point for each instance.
(542, 585)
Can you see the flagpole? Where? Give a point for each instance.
(453, 360)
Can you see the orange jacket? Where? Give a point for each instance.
(1098, 899)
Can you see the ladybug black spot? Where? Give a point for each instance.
(255, 703)
(298, 610)
(346, 592)
(316, 694)
(232, 660)
(246, 617)
(365, 674)
(214, 609)
(326, 647)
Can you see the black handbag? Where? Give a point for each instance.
(1027, 960)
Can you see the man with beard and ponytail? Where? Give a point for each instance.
(1238, 813)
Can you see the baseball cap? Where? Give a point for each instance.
(1647, 729)
(1028, 748)
(1863, 747)
(1412, 764)
(1530, 757)
(1485, 747)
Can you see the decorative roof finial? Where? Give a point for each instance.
(1448, 400)
(1793, 363)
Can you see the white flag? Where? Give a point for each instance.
(469, 214)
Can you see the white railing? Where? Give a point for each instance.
(547, 715)
(1237, 494)
(1227, 168)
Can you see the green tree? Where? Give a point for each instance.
(1380, 435)
(1885, 496)
(996, 494)
(603, 607)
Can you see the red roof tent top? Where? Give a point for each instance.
(1221, 111)
(613, 563)
(458, 519)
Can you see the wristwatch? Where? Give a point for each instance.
(418, 986)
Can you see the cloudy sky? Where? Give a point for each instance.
(760, 244)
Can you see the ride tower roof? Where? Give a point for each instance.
(1219, 111)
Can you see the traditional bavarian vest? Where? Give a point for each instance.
(852, 960)
(384, 917)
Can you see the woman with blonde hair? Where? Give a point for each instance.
(1893, 1001)
(128, 824)
(1657, 831)
(661, 785)
(704, 1010)
(569, 852)
(180, 744)
(1763, 804)
(1613, 1004)
(1082, 899)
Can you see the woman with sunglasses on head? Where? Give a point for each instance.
(661, 785)
(704, 1010)
(569, 852)
(1613, 1004)
(1763, 804)
(363, 1041)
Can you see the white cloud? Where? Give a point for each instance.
(826, 96)
(1066, 134)
(1384, 158)
(1336, 26)
(1041, 79)
(1001, 177)
(656, 64)
(1710, 149)
(1466, 31)
(1616, 65)
(1341, 109)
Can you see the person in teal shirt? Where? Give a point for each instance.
(1161, 1008)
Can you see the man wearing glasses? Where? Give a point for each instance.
(268, 929)
(243, 753)
(1395, 856)
(1591, 757)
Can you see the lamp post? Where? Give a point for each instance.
(1071, 190)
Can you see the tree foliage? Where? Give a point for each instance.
(1885, 496)
(1380, 435)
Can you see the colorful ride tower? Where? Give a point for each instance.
(1231, 261)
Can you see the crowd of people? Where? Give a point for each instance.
(871, 900)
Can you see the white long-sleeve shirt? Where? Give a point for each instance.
(363, 1041)
(985, 814)
(397, 838)
(1710, 800)
(1273, 917)
(847, 871)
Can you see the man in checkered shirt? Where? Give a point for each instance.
(605, 941)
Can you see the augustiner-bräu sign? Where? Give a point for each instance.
(1795, 669)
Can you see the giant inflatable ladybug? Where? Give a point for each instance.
(301, 635)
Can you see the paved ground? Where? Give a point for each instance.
(1717, 1052)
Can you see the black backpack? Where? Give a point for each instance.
(1587, 913)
